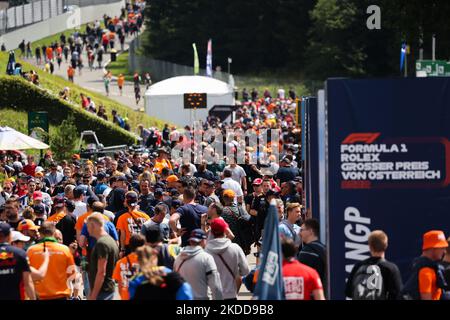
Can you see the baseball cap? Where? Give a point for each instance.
(257, 181)
(39, 208)
(176, 204)
(197, 235)
(101, 175)
(122, 178)
(172, 178)
(5, 229)
(38, 169)
(218, 226)
(131, 198)
(59, 202)
(229, 193)
(37, 195)
(18, 236)
(174, 192)
(434, 239)
(27, 224)
(158, 191)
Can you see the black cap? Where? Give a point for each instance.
(5, 229)
(101, 175)
(39, 208)
(176, 204)
(131, 198)
(122, 178)
(158, 191)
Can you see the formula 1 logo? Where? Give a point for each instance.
(367, 138)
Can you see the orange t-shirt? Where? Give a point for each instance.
(427, 283)
(49, 53)
(81, 219)
(112, 36)
(159, 165)
(123, 272)
(56, 217)
(131, 223)
(61, 269)
(70, 72)
(120, 81)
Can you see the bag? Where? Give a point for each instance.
(244, 231)
(164, 257)
(368, 283)
(237, 279)
(121, 121)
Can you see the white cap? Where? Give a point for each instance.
(18, 236)
(38, 169)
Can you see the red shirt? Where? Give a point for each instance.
(29, 169)
(299, 280)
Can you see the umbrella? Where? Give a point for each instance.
(11, 139)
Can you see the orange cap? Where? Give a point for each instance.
(172, 178)
(434, 239)
(27, 224)
(229, 193)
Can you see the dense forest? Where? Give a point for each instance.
(315, 38)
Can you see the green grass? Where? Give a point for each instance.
(121, 66)
(55, 84)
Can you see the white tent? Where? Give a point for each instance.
(165, 100)
(11, 139)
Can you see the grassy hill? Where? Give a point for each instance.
(54, 84)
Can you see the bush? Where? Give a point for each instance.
(19, 94)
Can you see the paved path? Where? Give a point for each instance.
(93, 80)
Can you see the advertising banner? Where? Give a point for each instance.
(388, 162)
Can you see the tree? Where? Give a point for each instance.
(63, 140)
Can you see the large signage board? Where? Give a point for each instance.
(388, 167)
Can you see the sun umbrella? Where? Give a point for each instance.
(11, 139)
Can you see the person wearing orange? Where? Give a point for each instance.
(120, 82)
(70, 73)
(61, 268)
(162, 161)
(49, 53)
(127, 267)
(131, 222)
(427, 278)
(112, 38)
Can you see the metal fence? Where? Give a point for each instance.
(85, 3)
(39, 10)
(26, 14)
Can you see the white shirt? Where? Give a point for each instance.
(80, 209)
(236, 173)
(229, 183)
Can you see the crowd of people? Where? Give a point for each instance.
(160, 228)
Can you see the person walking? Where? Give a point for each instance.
(70, 73)
(229, 258)
(375, 278)
(427, 279)
(103, 259)
(120, 82)
(107, 81)
(15, 273)
(61, 268)
(300, 281)
(157, 283)
(127, 267)
(313, 252)
(198, 267)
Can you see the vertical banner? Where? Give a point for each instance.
(196, 62)
(209, 72)
(389, 168)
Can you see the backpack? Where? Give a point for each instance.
(368, 283)
(120, 121)
(164, 257)
(411, 288)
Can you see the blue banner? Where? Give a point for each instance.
(388, 163)
(270, 284)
